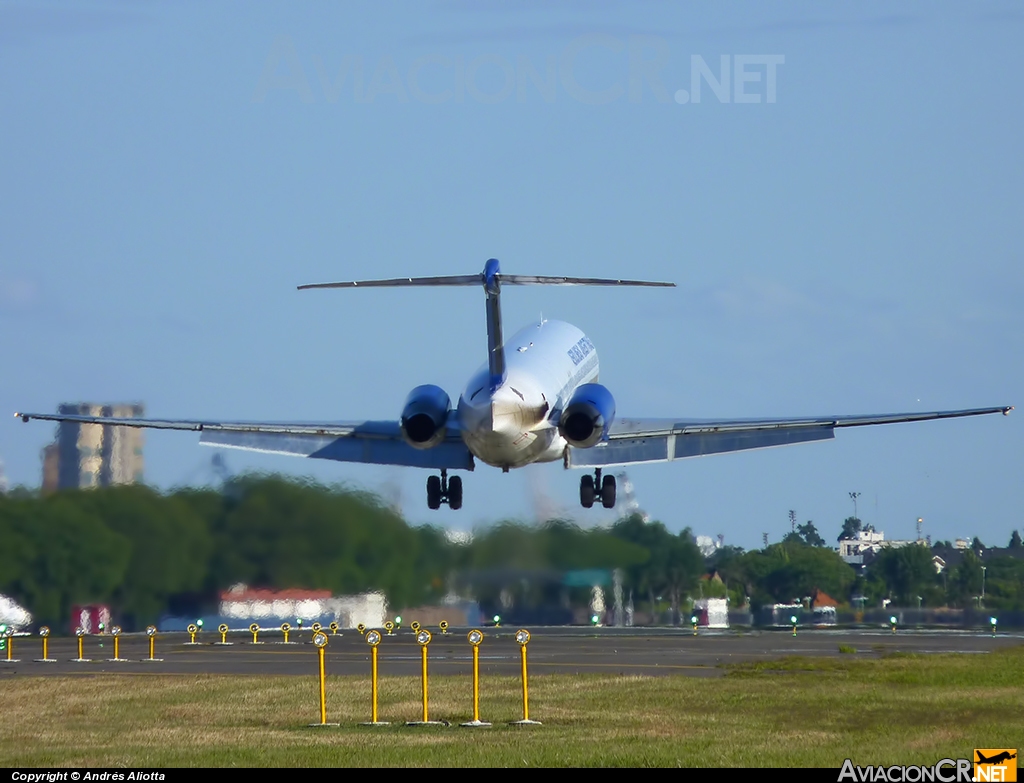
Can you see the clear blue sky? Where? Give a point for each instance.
(845, 235)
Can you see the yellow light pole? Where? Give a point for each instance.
(285, 628)
(792, 619)
(334, 629)
(151, 633)
(892, 622)
(9, 635)
(423, 640)
(373, 639)
(415, 626)
(316, 628)
(693, 621)
(254, 629)
(192, 629)
(44, 632)
(362, 629)
(320, 641)
(223, 629)
(475, 637)
(389, 627)
(523, 638)
(116, 633)
(443, 625)
(80, 633)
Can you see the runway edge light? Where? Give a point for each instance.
(373, 639)
(320, 642)
(475, 637)
(523, 639)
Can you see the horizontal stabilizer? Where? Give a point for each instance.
(463, 280)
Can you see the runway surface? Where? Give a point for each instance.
(644, 651)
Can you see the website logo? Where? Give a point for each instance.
(995, 764)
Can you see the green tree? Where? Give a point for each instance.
(851, 527)
(906, 572)
(809, 533)
(1015, 542)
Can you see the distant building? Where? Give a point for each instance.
(859, 551)
(93, 455)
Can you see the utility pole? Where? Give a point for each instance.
(853, 497)
(764, 537)
(792, 520)
(920, 522)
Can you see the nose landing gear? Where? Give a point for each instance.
(442, 490)
(594, 488)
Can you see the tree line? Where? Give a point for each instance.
(147, 554)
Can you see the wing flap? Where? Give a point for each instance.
(666, 448)
(371, 451)
(628, 428)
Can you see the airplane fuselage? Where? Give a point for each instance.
(515, 422)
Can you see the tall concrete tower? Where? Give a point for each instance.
(93, 455)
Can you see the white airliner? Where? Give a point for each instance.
(536, 399)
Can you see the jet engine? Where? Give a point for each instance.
(587, 417)
(425, 416)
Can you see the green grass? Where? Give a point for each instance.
(903, 709)
(847, 649)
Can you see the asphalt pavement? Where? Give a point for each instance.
(644, 651)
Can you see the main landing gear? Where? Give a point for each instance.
(594, 488)
(442, 490)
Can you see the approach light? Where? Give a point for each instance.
(79, 631)
(316, 627)
(222, 628)
(475, 637)
(151, 630)
(523, 637)
(423, 637)
(497, 619)
(320, 639)
(373, 638)
(192, 628)
(593, 619)
(116, 630)
(792, 619)
(398, 620)
(893, 619)
(361, 628)
(8, 630)
(254, 628)
(198, 622)
(44, 631)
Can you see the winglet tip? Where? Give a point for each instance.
(1007, 409)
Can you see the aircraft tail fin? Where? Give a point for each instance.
(491, 279)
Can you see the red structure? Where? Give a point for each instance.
(92, 618)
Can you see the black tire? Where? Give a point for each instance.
(455, 493)
(434, 492)
(587, 491)
(608, 492)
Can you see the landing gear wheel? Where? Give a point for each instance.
(608, 492)
(434, 492)
(587, 491)
(455, 493)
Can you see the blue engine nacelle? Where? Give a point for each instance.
(587, 417)
(425, 416)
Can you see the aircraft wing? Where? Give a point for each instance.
(371, 442)
(662, 440)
